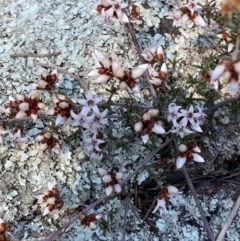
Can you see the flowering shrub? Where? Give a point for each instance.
(176, 111)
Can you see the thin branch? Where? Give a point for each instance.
(125, 219)
(105, 197)
(24, 55)
(64, 71)
(108, 221)
(137, 46)
(148, 159)
(219, 105)
(207, 226)
(233, 213)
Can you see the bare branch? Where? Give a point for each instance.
(233, 213)
(207, 226)
(35, 55)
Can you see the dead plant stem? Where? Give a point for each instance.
(189, 182)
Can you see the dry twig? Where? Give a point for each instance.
(233, 213)
(24, 55)
(207, 226)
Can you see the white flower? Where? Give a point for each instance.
(197, 158)
(189, 116)
(198, 20)
(138, 71)
(173, 113)
(233, 87)
(181, 161)
(16, 137)
(201, 118)
(82, 119)
(188, 153)
(192, 6)
(99, 120)
(181, 130)
(101, 171)
(176, 17)
(107, 17)
(158, 129)
(90, 103)
(173, 193)
(117, 7)
(161, 206)
(94, 143)
(218, 71)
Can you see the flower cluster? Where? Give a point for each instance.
(184, 121)
(47, 141)
(154, 56)
(110, 67)
(88, 220)
(92, 145)
(52, 198)
(169, 192)
(228, 69)
(148, 124)
(3, 229)
(188, 12)
(24, 106)
(111, 181)
(188, 152)
(93, 121)
(45, 81)
(63, 106)
(111, 11)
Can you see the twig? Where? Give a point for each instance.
(148, 159)
(137, 46)
(219, 105)
(150, 209)
(207, 226)
(35, 55)
(125, 220)
(105, 197)
(108, 221)
(229, 220)
(64, 71)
